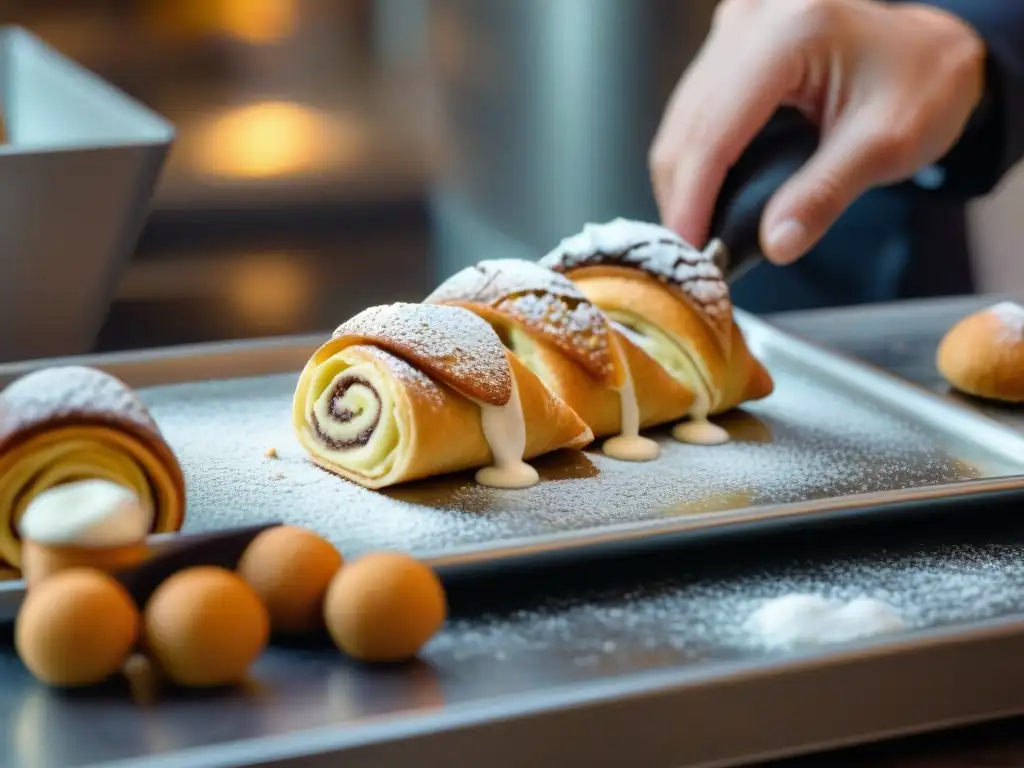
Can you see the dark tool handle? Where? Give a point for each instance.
(171, 553)
(775, 155)
(219, 548)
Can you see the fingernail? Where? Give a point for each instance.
(786, 241)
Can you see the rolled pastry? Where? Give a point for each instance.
(65, 424)
(407, 391)
(675, 302)
(592, 365)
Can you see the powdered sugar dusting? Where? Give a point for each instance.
(411, 377)
(1011, 317)
(658, 251)
(799, 444)
(543, 301)
(581, 330)
(454, 345)
(492, 280)
(704, 617)
(73, 392)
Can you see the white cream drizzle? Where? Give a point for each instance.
(505, 432)
(698, 430)
(629, 444)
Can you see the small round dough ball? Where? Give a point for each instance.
(983, 354)
(290, 569)
(76, 628)
(384, 607)
(205, 627)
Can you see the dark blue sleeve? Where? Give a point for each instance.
(994, 140)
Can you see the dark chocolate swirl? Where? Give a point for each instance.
(344, 415)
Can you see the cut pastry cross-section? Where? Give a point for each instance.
(66, 424)
(407, 391)
(568, 342)
(674, 301)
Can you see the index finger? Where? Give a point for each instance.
(725, 99)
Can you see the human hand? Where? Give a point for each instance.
(891, 86)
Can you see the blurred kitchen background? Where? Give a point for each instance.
(333, 154)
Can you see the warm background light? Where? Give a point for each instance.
(273, 139)
(270, 291)
(255, 22)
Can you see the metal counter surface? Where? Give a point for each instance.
(662, 622)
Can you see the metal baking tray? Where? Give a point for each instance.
(545, 670)
(837, 438)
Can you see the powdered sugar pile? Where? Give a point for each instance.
(796, 620)
(702, 619)
(801, 443)
(1011, 317)
(656, 250)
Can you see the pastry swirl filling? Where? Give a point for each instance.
(346, 416)
(350, 408)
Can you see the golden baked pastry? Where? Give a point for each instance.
(70, 423)
(406, 391)
(983, 353)
(590, 363)
(675, 301)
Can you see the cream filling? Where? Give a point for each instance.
(523, 347)
(88, 513)
(368, 405)
(504, 429)
(685, 367)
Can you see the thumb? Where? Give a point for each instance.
(803, 209)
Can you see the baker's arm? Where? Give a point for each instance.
(994, 140)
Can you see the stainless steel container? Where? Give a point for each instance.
(547, 111)
(75, 183)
